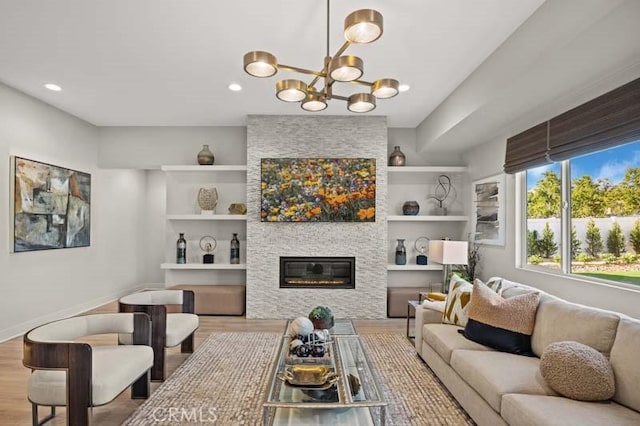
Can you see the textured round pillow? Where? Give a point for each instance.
(577, 371)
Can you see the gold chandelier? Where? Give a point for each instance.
(360, 27)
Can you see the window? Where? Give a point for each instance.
(601, 219)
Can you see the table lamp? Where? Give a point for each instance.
(448, 253)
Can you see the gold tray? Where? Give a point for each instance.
(308, 375)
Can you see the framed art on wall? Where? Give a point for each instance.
(51, 206)
(488, 224)
(318, 190)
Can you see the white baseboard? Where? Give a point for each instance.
(20, 329)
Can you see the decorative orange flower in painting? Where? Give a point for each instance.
(318, 190)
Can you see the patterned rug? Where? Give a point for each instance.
(224, 382)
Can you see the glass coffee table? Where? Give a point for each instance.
(355, 399)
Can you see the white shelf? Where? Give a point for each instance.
(198, 168)
(201, 266)
(434, 267)
(425, 218)
(426, 169)
(242, 217)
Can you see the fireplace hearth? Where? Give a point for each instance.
(318, 272)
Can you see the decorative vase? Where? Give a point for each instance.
(238, 208)
(207, 200)
(410, 208)
(322, 324)
(401, 253)
(397, 158)
(205, 156)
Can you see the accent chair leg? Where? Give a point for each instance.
(34, 415)
(157, 371)
(140, 389)
(186, 347)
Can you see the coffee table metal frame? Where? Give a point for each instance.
(349, 357)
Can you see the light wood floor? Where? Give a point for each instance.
(15, 409)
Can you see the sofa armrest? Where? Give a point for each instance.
(427, 313)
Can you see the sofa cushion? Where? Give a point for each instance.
(444, 339)
(534, 410)
(577, 371)
(494, 374)
(456, 310)
(624, 360)
(558, 320)
(503, 324)
(179, 326)
(114, 369)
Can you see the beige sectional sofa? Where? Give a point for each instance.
(498, 388)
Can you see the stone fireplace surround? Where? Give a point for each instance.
(316, 137)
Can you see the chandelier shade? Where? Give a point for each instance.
(260, 64)
(346, 68)
(291, 90)
(361, 102)
(313, 101)
(385, 88)
(361, 26)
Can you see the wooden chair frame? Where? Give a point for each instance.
(158, 314)
(75, 358)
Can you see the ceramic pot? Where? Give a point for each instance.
(205, 156)
(410, 208)
(207, 199)
(322, 324)
(397, 158)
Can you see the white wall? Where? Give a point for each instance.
(487, 160)
(45, 285)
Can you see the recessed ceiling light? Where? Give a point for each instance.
(235, 87)
(53, 87)
(404, 87)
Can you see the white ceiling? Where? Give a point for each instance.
(162, 63)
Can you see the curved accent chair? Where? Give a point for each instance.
(82, 376)
(167, 329)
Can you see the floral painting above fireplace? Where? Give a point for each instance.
(318, 190)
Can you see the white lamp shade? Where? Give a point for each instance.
(449, 252)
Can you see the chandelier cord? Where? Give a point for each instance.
(328, 27)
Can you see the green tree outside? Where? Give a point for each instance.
(543, 201)
(593, 240)
(634, 236)
(587, 198)
(615, 240)
(575, 243)
(532, 243)
(546, 245)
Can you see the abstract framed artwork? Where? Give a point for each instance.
(318, 190)
(488, 224)
(51, 207)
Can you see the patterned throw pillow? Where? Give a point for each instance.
(494, 283)
(502, 324)
(456, 310)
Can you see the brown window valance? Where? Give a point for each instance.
(604, 122)
(528, 149)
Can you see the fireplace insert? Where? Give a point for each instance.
(318, 272)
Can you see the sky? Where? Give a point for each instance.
(611, 164)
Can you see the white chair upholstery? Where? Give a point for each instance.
(168, 330)
(96, 374)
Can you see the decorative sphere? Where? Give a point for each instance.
(303, 351)
(294, 345)
(301, 325)
(317, 351)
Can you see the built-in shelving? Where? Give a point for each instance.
(207, 217)
(426, 169)
(206, 266)
(434, 267)
(197, 168)
(425, 218)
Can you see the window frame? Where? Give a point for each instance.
(564, 248)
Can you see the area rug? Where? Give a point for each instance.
(225, 380)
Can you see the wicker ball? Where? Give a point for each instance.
(301, 326)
